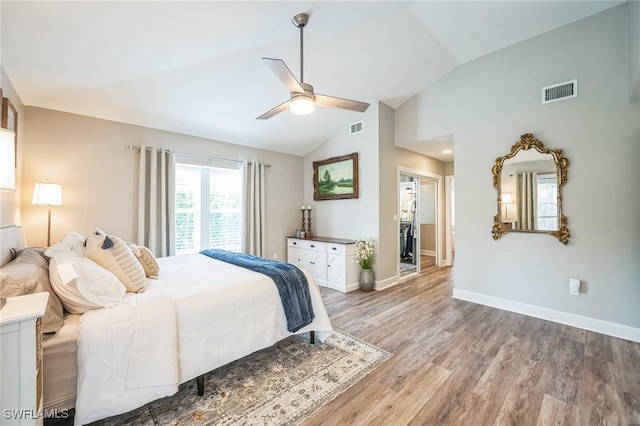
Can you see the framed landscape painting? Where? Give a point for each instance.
(336, 178)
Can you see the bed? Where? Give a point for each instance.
(200, 314)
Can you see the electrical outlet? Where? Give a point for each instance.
(574, 286)
(275, 255)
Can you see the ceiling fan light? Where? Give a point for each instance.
(301, 105)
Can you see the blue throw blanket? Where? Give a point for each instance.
(290, 281)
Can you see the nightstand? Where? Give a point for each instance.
(21, 359)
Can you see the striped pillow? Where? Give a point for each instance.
(114, 255)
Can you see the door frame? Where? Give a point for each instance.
(449, 181)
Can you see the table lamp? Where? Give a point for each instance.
(506, 200)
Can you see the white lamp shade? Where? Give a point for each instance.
(301, 105)
(47, 194)
(507, 199)
(7, 160)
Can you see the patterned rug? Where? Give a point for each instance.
(280, 385)
(404, 267)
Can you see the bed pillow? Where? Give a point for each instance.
(72, 244)
(29, 273)
(146, 259)
(83, 285)
(114, 255)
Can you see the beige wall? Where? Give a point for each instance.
(427, 237)
(449, 168)
(371, 215)
(89, 158)
(391, 157)
(10, 212)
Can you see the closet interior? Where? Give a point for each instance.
(408, 224)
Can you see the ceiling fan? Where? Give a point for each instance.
(303, 99)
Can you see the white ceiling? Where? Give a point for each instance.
(196, 68)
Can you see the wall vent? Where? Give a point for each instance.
(560, 91)
(355, 128)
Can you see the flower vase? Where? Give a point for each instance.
(367, 279)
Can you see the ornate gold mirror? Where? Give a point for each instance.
(529, 182)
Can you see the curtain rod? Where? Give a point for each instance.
(186, 154)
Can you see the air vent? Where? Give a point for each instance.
(355, 128)
(560, 91)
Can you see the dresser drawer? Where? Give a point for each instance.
(294, 242)
(314, 245)
(335, 248)
(307, 244)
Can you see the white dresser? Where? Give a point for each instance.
(21, 359)
(332, 262)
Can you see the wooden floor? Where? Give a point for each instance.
(458, 363)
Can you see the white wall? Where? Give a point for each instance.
(10, 212)
(350, 218)
(487, 104)
(99, 175)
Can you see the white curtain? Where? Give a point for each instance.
(156, 200)
(256, 209)
(527, 200)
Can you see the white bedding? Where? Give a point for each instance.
(60, 365)
(223, 312)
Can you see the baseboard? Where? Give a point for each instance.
(351, 287)
(428, 252)
(591, 324)
(386, 283)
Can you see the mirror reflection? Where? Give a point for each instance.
(529, 183)
(529, 192)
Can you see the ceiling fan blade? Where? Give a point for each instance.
(285, 75)
(333, 102)
(274, 111)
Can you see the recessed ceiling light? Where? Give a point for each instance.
(446, 151)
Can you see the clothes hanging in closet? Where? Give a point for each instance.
(406, 239)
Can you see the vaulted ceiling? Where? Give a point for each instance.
(196, 68)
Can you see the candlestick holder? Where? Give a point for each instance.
(304, 222)
(309, 233)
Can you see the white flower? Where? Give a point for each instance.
(364, 250)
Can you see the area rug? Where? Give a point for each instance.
(280, 385)
(404, 267)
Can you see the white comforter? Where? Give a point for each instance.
(201, 314)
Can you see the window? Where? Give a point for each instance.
(547, 217)
(208, 210)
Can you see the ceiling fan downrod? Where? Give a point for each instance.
(300, 21)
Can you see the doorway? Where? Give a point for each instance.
(419, 221)
(409, 224)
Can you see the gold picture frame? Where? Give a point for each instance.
(336, 178)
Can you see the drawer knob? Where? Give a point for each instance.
(312, 246)
(294, 243)
(333, 248)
